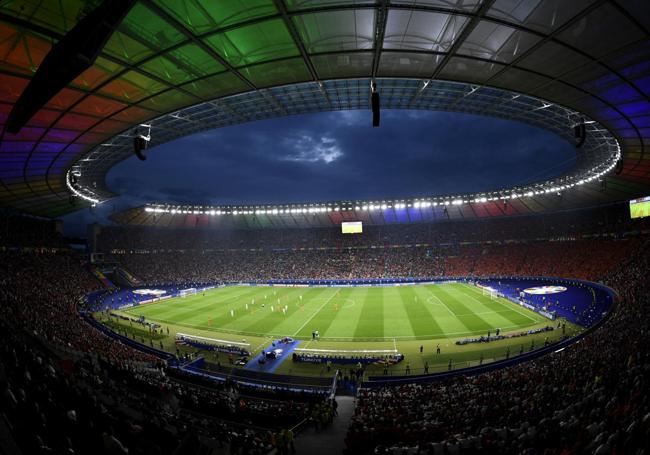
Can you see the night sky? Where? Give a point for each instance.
(335, 156)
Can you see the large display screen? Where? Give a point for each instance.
(351, 227)
(640, 208)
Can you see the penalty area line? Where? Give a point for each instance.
(503, 304)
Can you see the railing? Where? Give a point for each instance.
(310, 384)
(335, 383)
(125, 340)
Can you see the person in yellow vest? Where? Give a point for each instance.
(288, 440)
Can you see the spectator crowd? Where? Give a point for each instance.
(69, 388)
(581, 259)
(591, 397)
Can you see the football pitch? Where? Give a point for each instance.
(414, 320)
(372, 313)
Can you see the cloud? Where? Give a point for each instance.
(350, 118)
(339, 155)
(308, 149)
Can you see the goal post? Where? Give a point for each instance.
(488, 291)
(186, 292)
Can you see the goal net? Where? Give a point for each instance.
(487, 291)
(186, 292)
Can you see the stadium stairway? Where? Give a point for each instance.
(103, 279)
(127, 277)
(330, 440)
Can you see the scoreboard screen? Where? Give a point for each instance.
(351, 227)
(640, 208)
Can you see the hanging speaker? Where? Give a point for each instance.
(577, 131)
(139, 146)
(375, 109)
(580, 132)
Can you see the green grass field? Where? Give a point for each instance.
(344, 314)
(373, 317)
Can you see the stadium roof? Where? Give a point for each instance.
(183, 66)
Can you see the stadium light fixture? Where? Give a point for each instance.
(556, 186)
(78, 193)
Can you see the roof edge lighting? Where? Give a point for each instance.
(530, 191)
(82, 192)
(599, 155)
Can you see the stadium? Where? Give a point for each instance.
(511, 319)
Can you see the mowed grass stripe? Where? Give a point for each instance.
(165, 307)
(346, 318)
(198, 314)
(396, 319)
(452, 323)
(299, 313)
(422, 322)
(371, 319)
(175, 308)
(220, 314)
(322, 305)
(325, 314)
(521, 318)
(217, 309)
(464, 313)
(266, 320)
(255, 312)
(438, 320)
(441, 310)
(499, 316)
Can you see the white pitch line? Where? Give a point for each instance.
(500, 303)
(443, 303)
(414, 337)
(314, 314)
(262, 344)
(507, 310)
(510, 307)
(407, 337)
